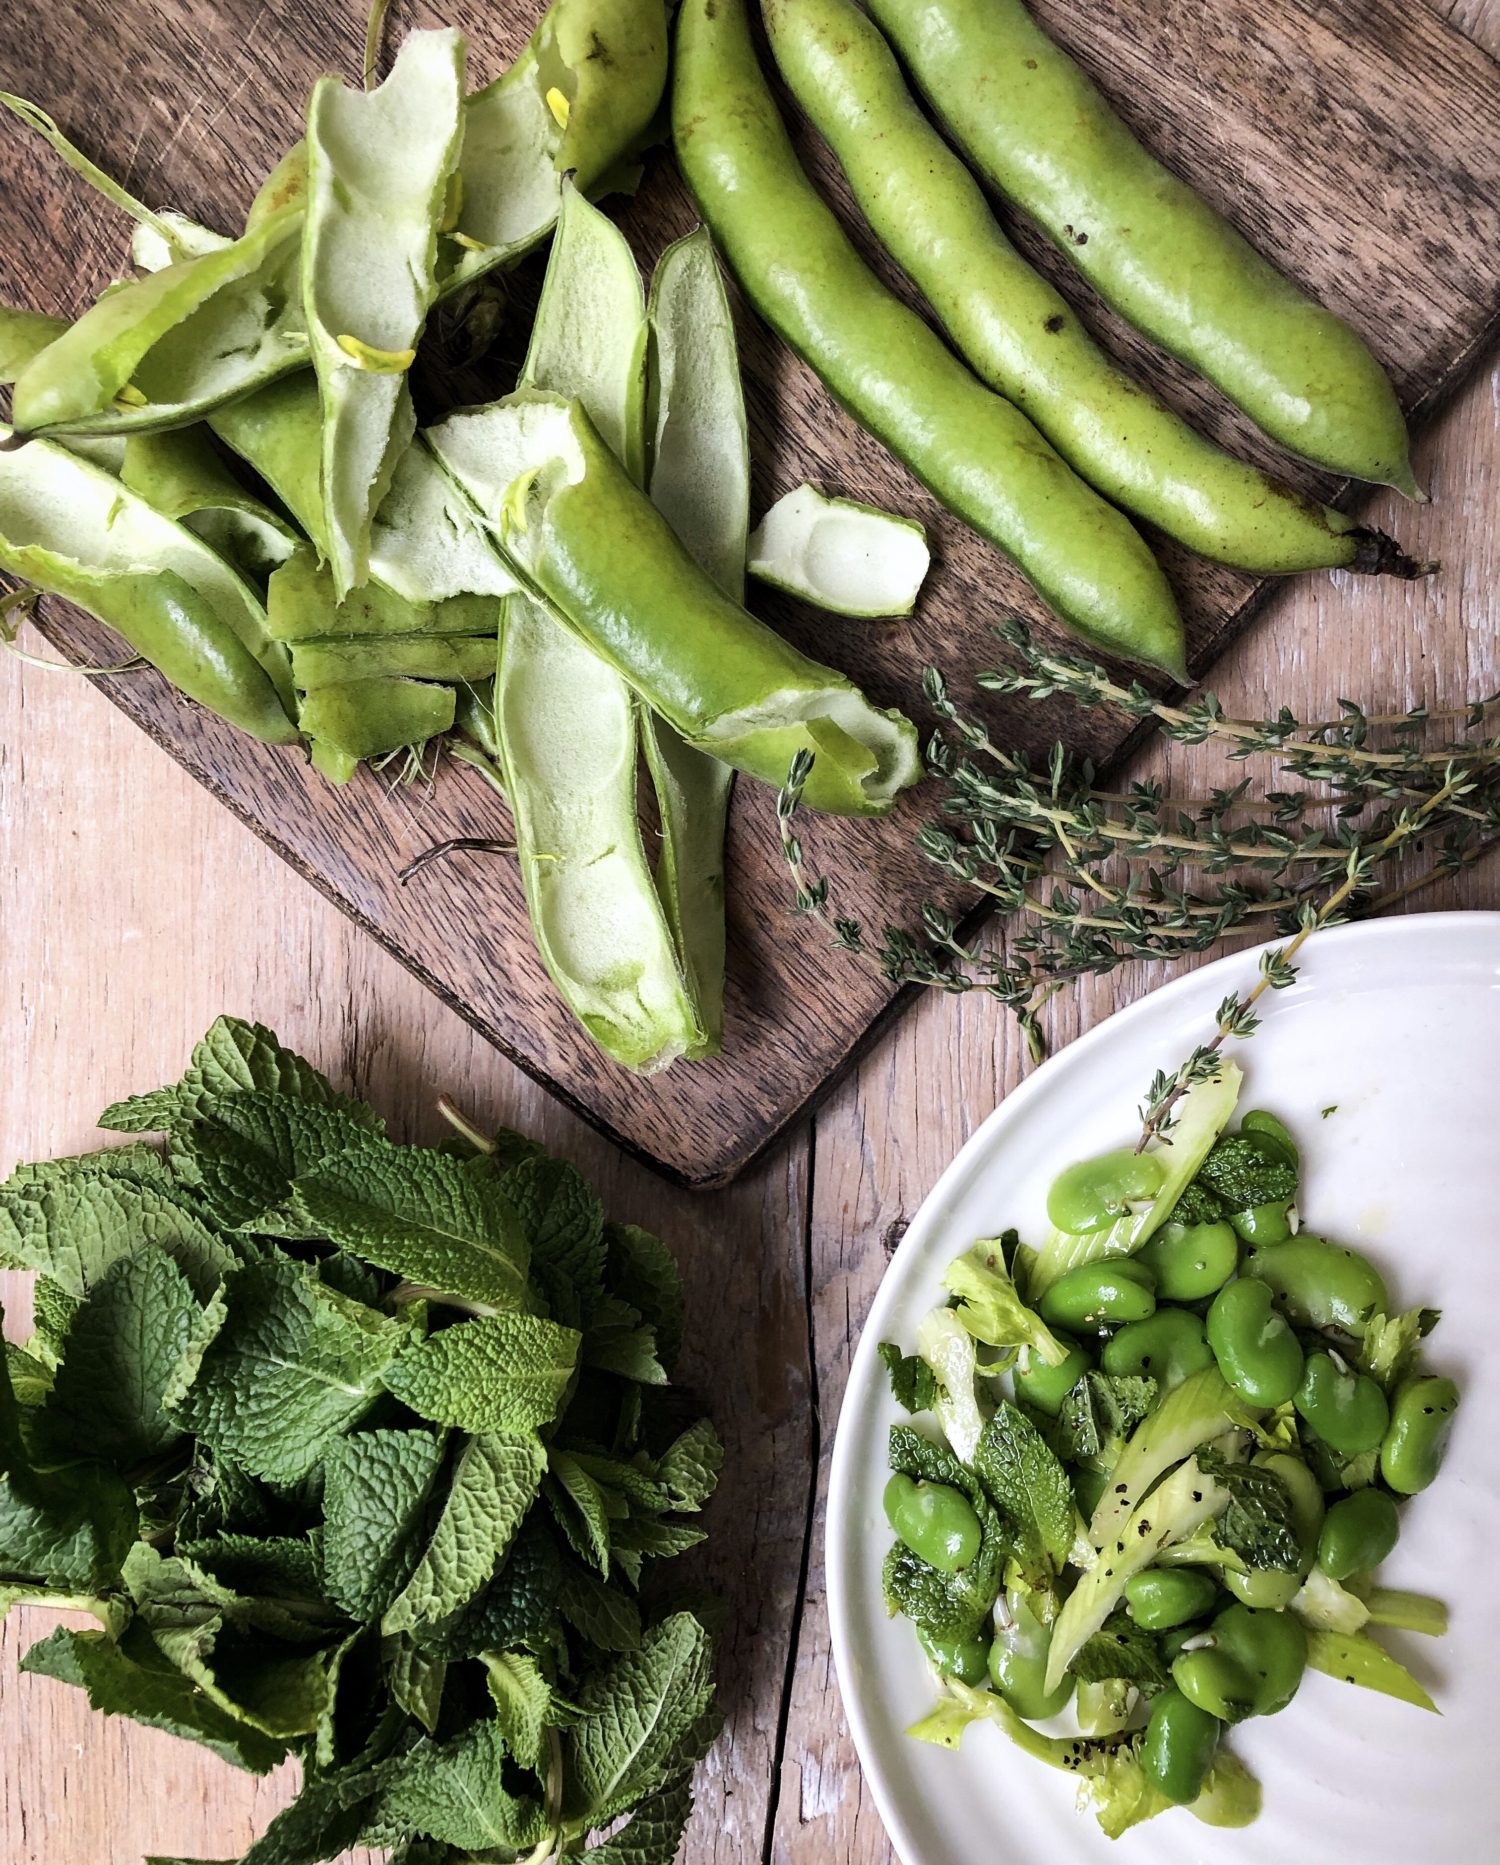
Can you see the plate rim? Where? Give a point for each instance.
(839, 1514)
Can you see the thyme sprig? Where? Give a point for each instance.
(1092, 878)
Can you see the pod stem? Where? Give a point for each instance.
(1375, 554)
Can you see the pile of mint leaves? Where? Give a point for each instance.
(363, 1453)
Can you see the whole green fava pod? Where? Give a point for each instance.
(1113, 1289)
(1319, 1284)
(1034, 123)
(1178, 1747)
(1421, 1418)
(1257, 1352)
(1359, 1532)
(936, 1522)
(1167, 1347)
(1093, 1194)
(974, 450)
(1045, 1387)
(1346, 1409)
(1190, 1261)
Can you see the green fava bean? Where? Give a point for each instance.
(1263, 1223)
(967, 1659)
(1164, 1597)
(1168, 1346)
(1045, 1387)
(1114, 1289)
(1018, 1664)
(1358, 1534)
(1257, 1352)
(937, 1523)
(933, 1520)
(1421, 1418)
(1178, 1747)
(1320, 1284)
(1347, 1410)
(1093, 1194)
(1272, 1647)
(1268, 1127)
(1191, 1261)
(1215, 1682)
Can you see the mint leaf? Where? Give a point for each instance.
(376, 1488)
(1259, 1525)
(914, 1386)
(75, 1230)
(137, 1163)
(504, 1372)
(523, 1704)
(121, 1349)
(518, 1606)
(68, 1530)
(616, 1340)
(292, 1367)
(30, 1378)
(634, 1715)
(688, 1469)
(494, 1483)
(423, 1216)
(235, 1057)
(944, 1605)
(241, 1156)
(605, 1614)
(582, 1508)
(564, 1226)
(642, 1271)
(1031, 1490)
(135, 1679)
(653, 1834)
(52, 1312)
(1241, 1174)
(417, 1683)
(262, 1585)
(661, 1539)
(1100, 1413)
(454, 1791)
(282, 1693)
(1121, 1648)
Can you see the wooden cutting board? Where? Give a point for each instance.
(1353, 140)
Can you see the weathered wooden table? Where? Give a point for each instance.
(133, 909)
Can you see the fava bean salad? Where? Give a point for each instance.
(1172, 1446)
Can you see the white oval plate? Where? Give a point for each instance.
(1394, 1026)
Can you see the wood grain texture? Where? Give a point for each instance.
(1353, 142)
(133, 909)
